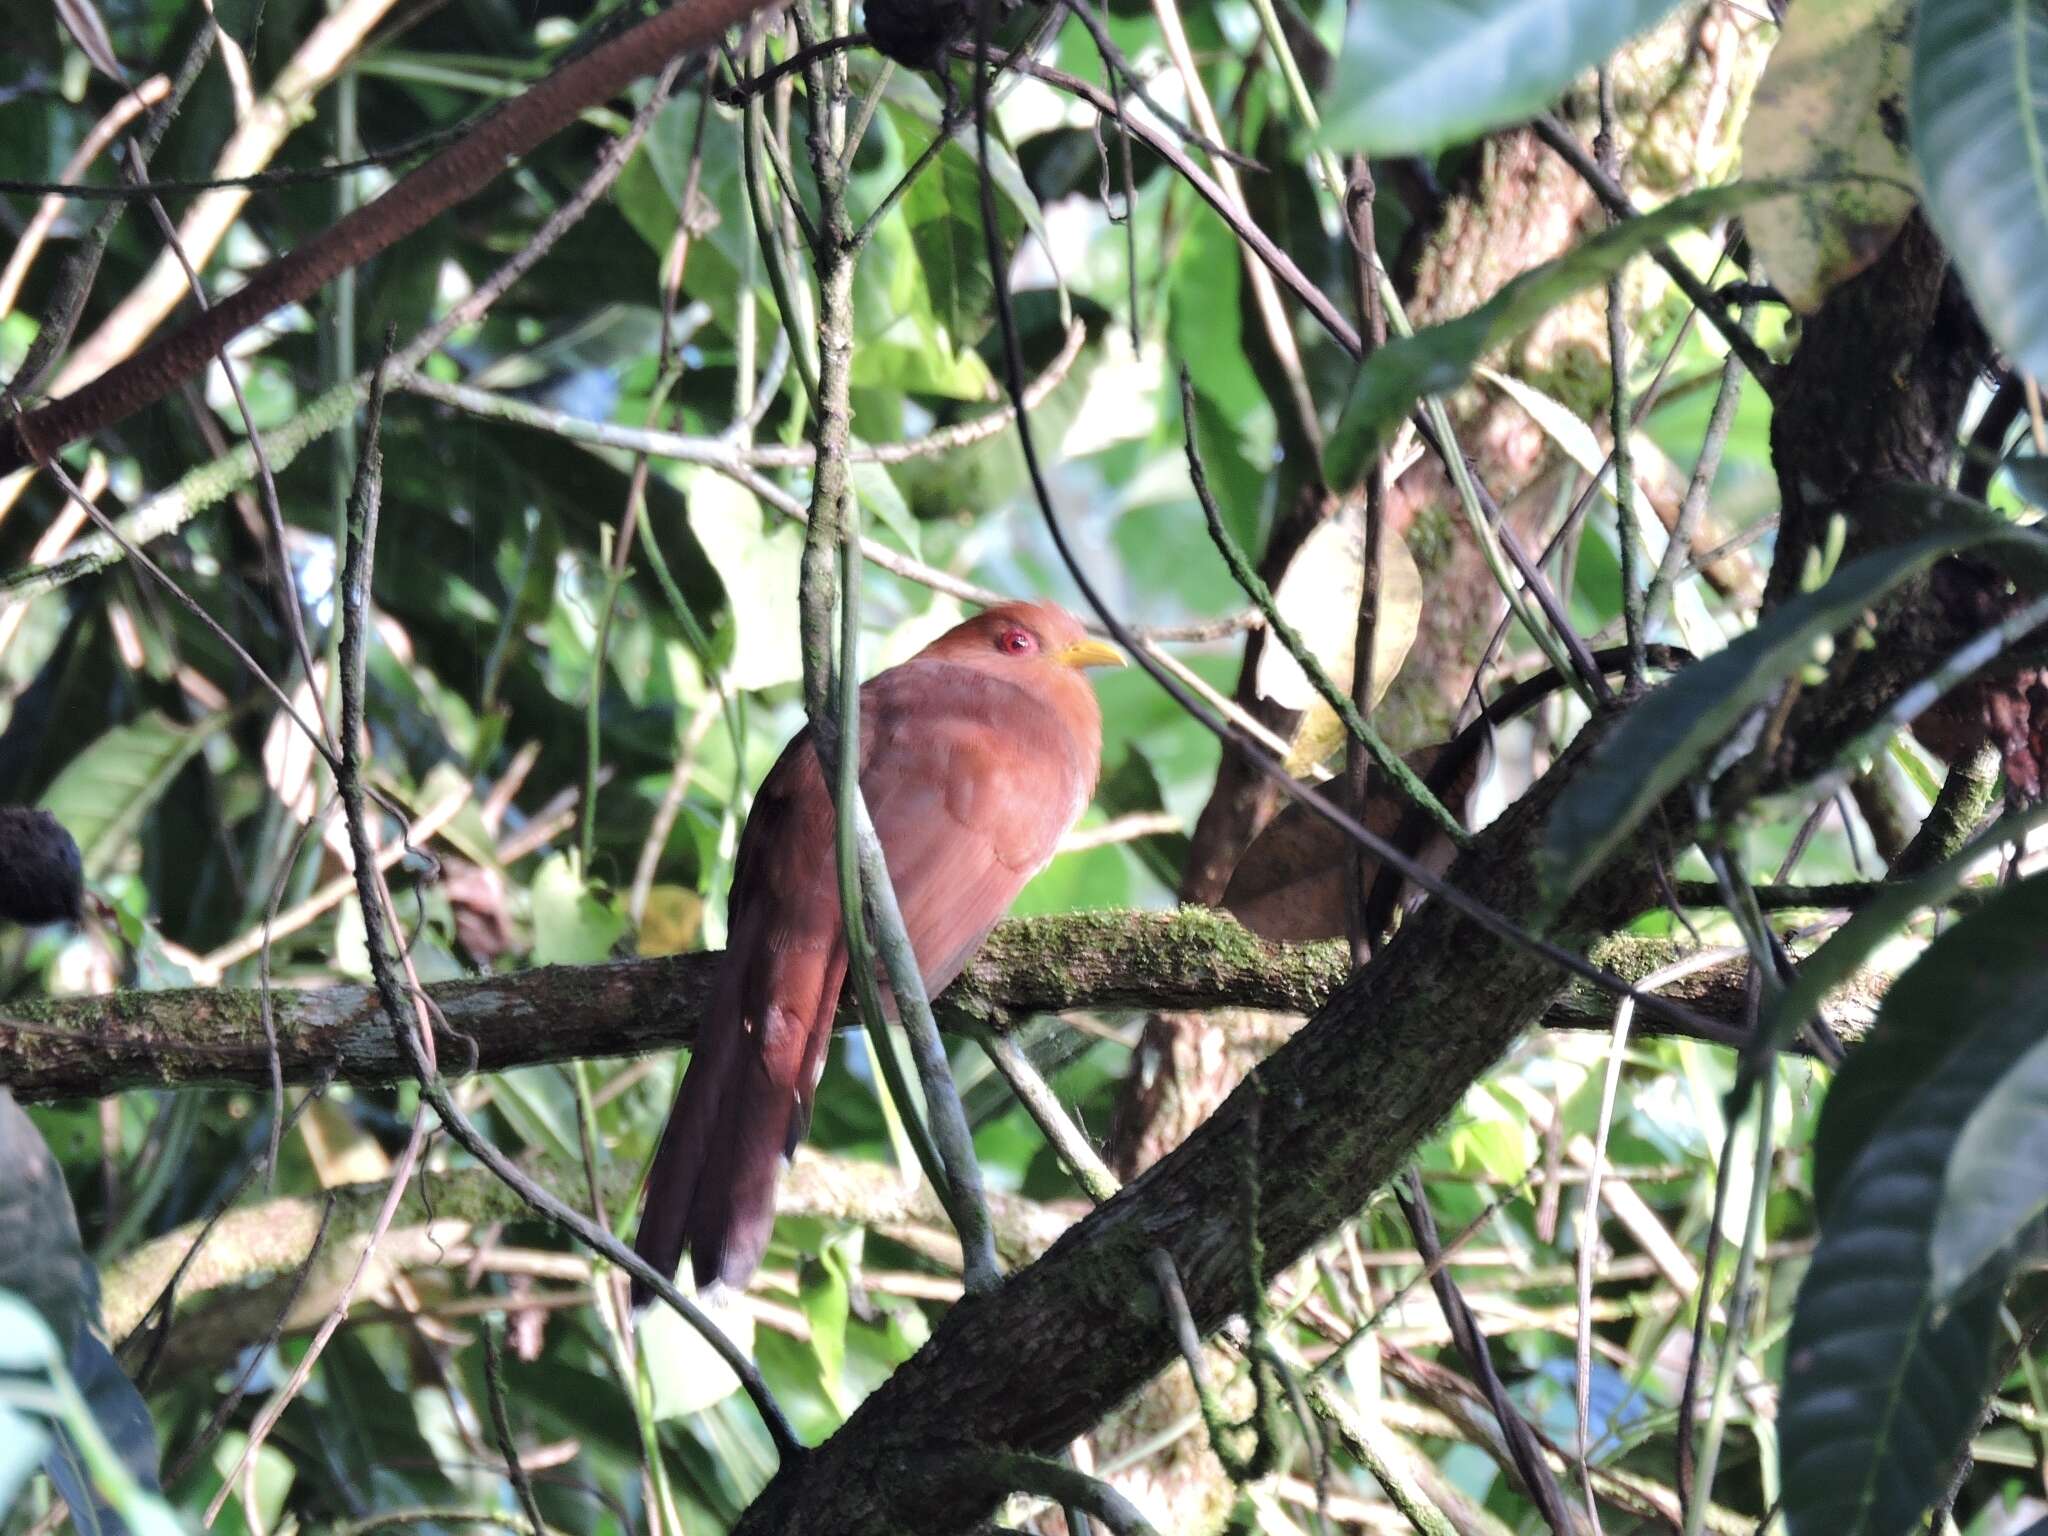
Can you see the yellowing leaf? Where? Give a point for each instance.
(1318, 595)
(673, 921)
(1831, 104)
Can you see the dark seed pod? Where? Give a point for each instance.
(42, 879)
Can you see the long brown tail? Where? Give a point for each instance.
(743, 1102)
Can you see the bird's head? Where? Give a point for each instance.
(1031, 635)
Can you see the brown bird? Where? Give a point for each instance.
(975, 756)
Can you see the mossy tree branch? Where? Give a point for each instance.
(1192, 959)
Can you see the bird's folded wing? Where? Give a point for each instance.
(971, 783)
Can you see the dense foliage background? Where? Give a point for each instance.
(583, 654)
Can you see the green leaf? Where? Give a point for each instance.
(1666, 737)
(1831, 105)
(1928, 1014)
(1436, 360)
(26, 1350)
(571, 926)
(759, 568)
(878, 494)
(1417, 75)
(1874, 922)
(825, 1291)
(1881, 1387)
(687, 1374)
(104, 793)
(1997, 1182)
(1980, 118)
(943, 210)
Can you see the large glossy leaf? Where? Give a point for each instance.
(1882, 1383)
(1416, 75)
(943, 210)
(1929, 1013)
(1980, 119)
(1433, 361)
(105, 792)
(1831, 108)
(1667, 736)
(1997, 1184)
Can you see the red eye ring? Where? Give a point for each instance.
(1017, 642)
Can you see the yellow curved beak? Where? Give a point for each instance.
(1090, 653)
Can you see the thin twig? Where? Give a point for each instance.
(1522, 1444)
(417, 1045)
(501, 1427)
(1629, 537)
(224, 1410)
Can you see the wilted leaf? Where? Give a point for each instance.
(672, 923)
(1832, 105)
(81, 19)
(1289, 886)
(1417, 75)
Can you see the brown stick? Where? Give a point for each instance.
(457, 172)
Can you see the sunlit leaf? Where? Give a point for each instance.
(688, 1375)
(122, 1418)
(825, 1292)
(759, 568)
(1997, 1184)
(1319, 595)
(571, 924)
(1418, 75)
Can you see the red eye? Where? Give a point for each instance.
(1017, 642)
